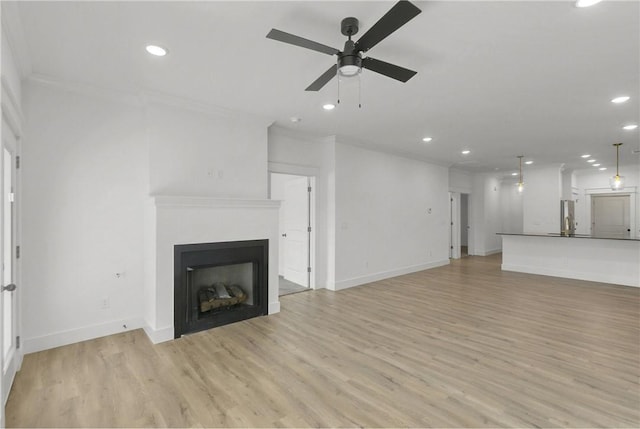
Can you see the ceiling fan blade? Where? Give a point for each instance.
(281, 36)
(324, 79)
(390, 70)
(401, 13)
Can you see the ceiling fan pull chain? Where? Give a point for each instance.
(359, 90)
(338, 75)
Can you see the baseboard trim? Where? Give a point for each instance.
(591, 277)
(159, 335)
(46, 342)
(357, 281)
(489, 252)
(274, 307)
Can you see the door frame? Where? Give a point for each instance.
(13, 119)
(311, 173)
(631, 191)
(15, 363)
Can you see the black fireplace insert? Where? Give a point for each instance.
(219, 283)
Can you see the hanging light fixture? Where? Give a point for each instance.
(617, 181)
(520, 181)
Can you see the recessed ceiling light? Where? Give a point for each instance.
(586, 3)
(466, 152)
(514, 174)
(602, 168)
(295, 119)
(585, 156)
(630, 127)
(158, 51)
(621, 99)
(329, 106)
(427, 139)
(528, 162)
(596, 165)
(591, 160)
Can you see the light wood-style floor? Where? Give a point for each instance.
(464, 345)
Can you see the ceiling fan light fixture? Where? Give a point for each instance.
(349, 70)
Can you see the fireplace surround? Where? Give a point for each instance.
(179, 220)
(219, 271)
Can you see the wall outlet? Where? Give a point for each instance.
(104, 303)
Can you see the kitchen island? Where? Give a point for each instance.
(583, 257)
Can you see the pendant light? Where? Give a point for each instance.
(520, 181)
(617, 181)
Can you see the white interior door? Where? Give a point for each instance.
(296, 233)
(8, 296)
(610, 215)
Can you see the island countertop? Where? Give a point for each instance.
(558, 235)
(598, 259)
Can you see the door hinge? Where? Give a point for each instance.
(308, 269)
(309, 189)
(18, 342)
(308, 229)
(451, 247)
(17, 252)
(451, 223)
(12, 197)
(17, 162)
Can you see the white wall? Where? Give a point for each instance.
(511, 202)
(89, 164)
(485, 215)
(541, 200)
(85, 180)
(206, 154)
(383, 224)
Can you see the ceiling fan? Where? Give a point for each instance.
(350, 61)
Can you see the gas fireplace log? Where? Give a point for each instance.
(212, 297)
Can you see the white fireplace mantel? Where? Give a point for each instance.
(173, 220)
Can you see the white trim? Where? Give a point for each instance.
(611, 278)
(295, 169)
(166, 201)
(274, 307)
(144, 97)
(11, 109)
(63, 338)
(356, 281)
(489, 252)
(159, 335)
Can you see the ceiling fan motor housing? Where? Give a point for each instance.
(349, 57)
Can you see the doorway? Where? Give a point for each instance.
(296, 231)
(459, 232)
(611, 215)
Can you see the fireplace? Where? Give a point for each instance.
(219, 283)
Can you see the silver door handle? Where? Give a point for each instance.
(10, 287)
(284, 235)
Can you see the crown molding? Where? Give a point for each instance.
(144, 98)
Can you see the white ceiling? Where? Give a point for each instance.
(499, 78)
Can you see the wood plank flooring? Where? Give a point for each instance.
(465, 345)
